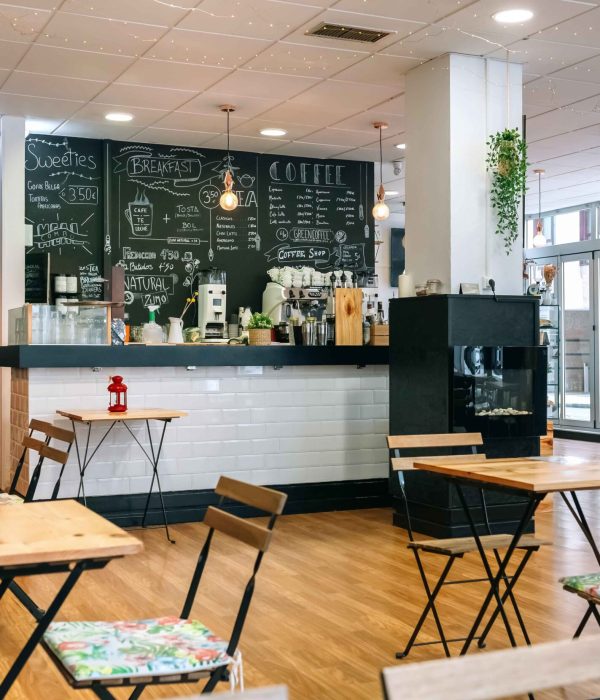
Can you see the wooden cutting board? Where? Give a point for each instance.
(348, 317)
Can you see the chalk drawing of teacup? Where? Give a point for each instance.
(139, 213)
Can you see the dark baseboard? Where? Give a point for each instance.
(576, 435)
(190, 506)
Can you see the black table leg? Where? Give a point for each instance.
(581, 520)
(40, 629)
(84, 464)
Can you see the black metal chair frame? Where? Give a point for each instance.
(28, 603)
(432, 594)
(221, 673)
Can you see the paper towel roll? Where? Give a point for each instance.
(406, 288)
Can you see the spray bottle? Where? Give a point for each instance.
(152, 332)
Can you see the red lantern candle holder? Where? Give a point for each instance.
(117, 392)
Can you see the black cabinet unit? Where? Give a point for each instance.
(462, 363)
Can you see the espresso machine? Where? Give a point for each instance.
(212, 303)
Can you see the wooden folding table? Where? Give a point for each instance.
(49, 537)
(89, 417)
(532, 476)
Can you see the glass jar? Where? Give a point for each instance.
(434, 286)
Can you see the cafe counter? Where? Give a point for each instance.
(311, 420)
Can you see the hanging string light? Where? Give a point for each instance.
(229, 200)
(539, 240)
(381, 210)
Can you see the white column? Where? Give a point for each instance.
(12, 252)
(453, 104)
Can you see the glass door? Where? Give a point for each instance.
(578, 346)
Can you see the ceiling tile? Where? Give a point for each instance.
(252, 127)
(559, 121)
(22, 22)
(380, 70)
(187, 121)
(583, 29)
(364, 122)
(255, 84)
(210, 100)
(260, 19)
(156, 12)
(95, 111)
(73, 63)
(11, 52)
(102, 35)
(141, 96)
(303, 59)
(257, 144)
(169, 74)
(436, 40)
(417, 10)
(586, 70)
(203, 48)
(43, 107)
(307, 150)
(344, 96)
(172, 137)
(96, 130)
(340, 137)
(557, 92)
(543, 57)
(22, 83)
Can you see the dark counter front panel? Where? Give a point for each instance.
(31, 356)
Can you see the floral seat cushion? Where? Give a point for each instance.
(586, 583)
(10, 499)
(155, 647)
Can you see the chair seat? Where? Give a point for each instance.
(96, 651)
(10, 499)
(461, 545)
(586, 585)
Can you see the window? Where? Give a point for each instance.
(566, 225)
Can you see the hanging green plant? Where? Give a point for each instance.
(507, 161)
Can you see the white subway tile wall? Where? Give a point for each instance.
(292, 425)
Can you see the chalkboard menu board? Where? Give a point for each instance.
(166, 222)
(37, 280)
(64, 199)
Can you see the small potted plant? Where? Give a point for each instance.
(259, 329)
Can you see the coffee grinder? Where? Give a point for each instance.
(212, 302)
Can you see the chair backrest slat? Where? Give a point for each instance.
(256, 496)
(51, 430)
(399, 442)
(54, 454)
(248, 532)
(31, 443)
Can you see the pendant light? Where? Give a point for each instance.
(228, 200)
(539, 240)
(381, 210)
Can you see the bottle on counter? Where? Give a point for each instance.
(366, 332)
(380, 318)
(127, 327)
(152, 332)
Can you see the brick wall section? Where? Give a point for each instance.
(267, 426)
(19, 420)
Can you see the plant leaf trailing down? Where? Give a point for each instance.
(507, 161)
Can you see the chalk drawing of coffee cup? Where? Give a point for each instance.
(139, 213)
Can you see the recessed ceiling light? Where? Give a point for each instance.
(391, 193)
(273, 132)
(513, 16)
(118, 117)
(401, 146)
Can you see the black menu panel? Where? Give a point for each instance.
(165, 222)
(64, 200)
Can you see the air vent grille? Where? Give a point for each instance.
(337, 31)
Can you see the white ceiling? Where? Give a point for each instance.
(171, 63)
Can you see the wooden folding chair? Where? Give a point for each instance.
(496, 674)
(456, 547)
(44, 450)
(162, 651)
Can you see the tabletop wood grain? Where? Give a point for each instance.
(59, 531)
(532, 474)
(84, 415)
(497, 674)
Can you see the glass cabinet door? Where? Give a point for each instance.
(578, 346)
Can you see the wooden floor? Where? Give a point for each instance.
(338, 594)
